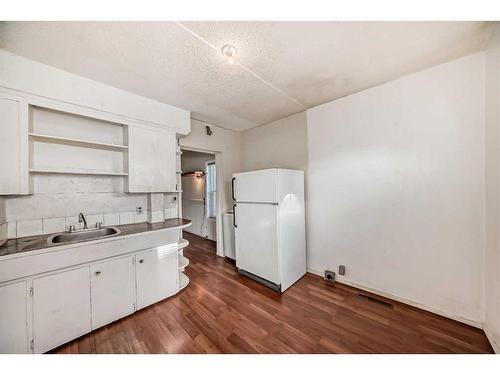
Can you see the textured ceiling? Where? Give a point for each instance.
(283, 67)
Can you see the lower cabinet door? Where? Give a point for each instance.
(156, 274)
(113, 290)
(61, 308)
(13, 318)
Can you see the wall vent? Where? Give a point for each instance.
(376, 300)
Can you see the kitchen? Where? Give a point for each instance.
(329, 207)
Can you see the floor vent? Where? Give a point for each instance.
(376, 300)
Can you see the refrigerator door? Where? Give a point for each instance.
(256, 235)
(256, 186)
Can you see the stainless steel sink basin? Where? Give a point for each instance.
(83, 235)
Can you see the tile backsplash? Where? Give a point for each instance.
(26, 228)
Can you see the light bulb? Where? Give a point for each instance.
(229, 52)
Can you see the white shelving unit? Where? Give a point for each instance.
(183, 262)
(183, 281)
(65, 143)
(183, 243)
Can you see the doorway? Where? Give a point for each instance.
(199, 193)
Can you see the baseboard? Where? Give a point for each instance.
(460, 319)
(493, 343)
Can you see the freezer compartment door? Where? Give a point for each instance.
(256, 186)
(256, 235)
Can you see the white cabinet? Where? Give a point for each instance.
(113, 290)
(13, 318)
(61, 308)
(71, 302)
(13, 146)
(151, 160)
(156, 275)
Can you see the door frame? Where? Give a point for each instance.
(207, 218)
(218, 219)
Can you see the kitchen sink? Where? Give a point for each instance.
(83, 235)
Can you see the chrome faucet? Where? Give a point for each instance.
(81, 219)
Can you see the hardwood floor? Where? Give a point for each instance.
(223, 312)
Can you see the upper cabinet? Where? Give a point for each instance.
(13, 145)
(54, 122)
(151, 160)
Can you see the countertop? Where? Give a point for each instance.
(25, 244)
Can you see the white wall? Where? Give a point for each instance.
(396, 188)
(492, 173)
(281, 144)
(227, 145)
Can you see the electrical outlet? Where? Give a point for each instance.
(329, 275)
(139, 210)
(342, 270)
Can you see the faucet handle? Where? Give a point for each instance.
(72, 228)
(98, 224)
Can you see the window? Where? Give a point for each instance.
(211, 181)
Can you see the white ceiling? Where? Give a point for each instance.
(285, 68)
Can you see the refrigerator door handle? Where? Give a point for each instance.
(234, 216)
(232, 187)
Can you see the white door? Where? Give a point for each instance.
(257, 186)
(61, 308)
(13, 318)
(156, 276)
(256, 235)
(113, 290)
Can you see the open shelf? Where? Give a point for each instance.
(77, 142)
(183, 262)
(183, 281)
(182, 244)
(76, 171)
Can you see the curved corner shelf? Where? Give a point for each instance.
(76, 142)
(182, 244)
(183, 281)
(183, 262)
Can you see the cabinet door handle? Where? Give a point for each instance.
(141, 261)
(97, 273)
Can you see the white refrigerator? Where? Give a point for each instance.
(269, 221)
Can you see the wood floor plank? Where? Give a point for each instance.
(223, 312)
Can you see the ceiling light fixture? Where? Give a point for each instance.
(229, 52)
